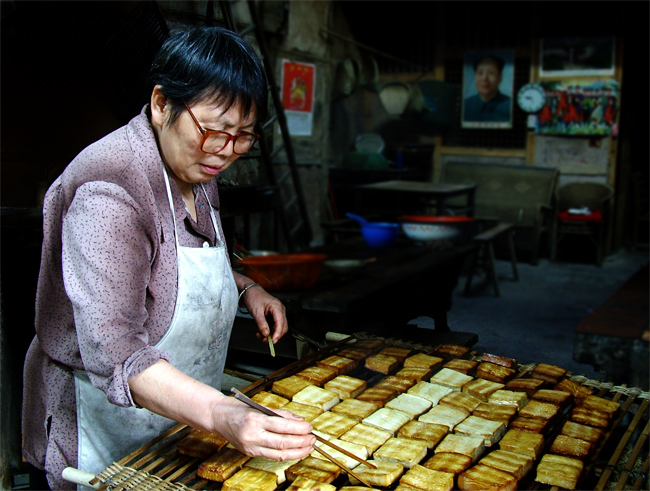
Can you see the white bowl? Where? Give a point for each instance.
(428, 228)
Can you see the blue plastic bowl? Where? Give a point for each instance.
(380, 234)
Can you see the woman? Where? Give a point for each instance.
(136, 297)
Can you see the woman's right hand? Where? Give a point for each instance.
(257, 434)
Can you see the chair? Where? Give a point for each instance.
(582, 210)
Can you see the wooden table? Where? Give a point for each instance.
(415, 197)
(405, 282)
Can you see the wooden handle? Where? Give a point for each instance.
(82, 478)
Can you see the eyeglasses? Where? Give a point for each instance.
(215, 141)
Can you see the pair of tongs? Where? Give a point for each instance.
(242, 397)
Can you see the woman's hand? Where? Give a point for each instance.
(256, 434)
(263, 307)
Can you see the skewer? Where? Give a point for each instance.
(271, 347)
(242, 397)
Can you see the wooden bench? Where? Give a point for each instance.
(485, 255)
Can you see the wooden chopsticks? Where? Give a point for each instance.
(245, 399)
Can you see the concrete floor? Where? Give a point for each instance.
(534, 318)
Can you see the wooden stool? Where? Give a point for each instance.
(485, 251)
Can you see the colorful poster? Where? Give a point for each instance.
(578, 108)
(298, 96)
(487, 89)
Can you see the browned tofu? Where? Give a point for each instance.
(549, 373)
(400, 353)
(533, 425)
(468, 367)
(559, 398)
(333, 424)
(504, 361)
(449, 351)
(289, 386)
(404, 451)
(201, 444)
(354, 408)
(421, 360)
(584, 432)
(382, 363)
(523, 442)
(270, 400)
(537, 409)
(400, 384)
(415, 375)
(369, 436)
(571, 447)
(423, 478)
(460, 400)
(527, 385)
(454, 463)
(495, 412)
(313, 468)
(373, 344)
(249, 478)
(579, 392)
(346, 387)
(305, 484)
(431, 433)
(223, 465)
(600, 404)
(385, 474)
(589, 417)
(481, 388)
(558, 470)
(485, 478)
(513, 463)
(355, 353)
(305, 411)
(377, 395)
(495, 373)
(339, 364)
(317, 375)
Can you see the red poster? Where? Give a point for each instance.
(297, 86)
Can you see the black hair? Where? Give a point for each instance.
(210, 64)
(499, 61)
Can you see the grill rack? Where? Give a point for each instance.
(619, 462)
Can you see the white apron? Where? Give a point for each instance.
(197, 342)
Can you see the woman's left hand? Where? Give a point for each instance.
(266, 308)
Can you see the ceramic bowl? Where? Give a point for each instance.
(428, 228)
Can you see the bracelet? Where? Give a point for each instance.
(241, 293)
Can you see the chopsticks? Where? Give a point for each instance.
(245, 399)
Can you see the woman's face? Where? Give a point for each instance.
(487, 78)
(180, 143)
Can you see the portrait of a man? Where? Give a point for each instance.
(487, 89)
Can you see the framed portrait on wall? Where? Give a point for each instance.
(488, 89)
(577, 57)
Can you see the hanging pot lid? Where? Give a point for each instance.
(395, 96)
(369, 142)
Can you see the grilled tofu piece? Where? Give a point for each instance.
(273, 466)
(431, 433)
(461, 401)
(558, 470)
(414, 374)
(454, 463)
(584, 432)
(523, 442)
(382, 363)
(549, 373)
(377, 395)
(400, 353)
(317, 375)
(412, 405)
(354, 448)
(450, 378)
(373, 344)
(201, 444)
(404, 451)
(308, 413)
(495, 412)
(400, 384)
(369, 436)
(305, 484)
(513, 463)
(355, 409)
(448, 416)
(339, 364)
(481, 388)
(346, 387)
(571, 447)
(361, 488)
(579, 392)
(589, 417)
(600, 404)
(449, 351)
(472, 446)
(527, 385)
(222, 465)
(495, 373)
(426, 479)
(537, 409)
(509, 397)
(313, 468)
(289, 386)
(429, 391)
(491, 431)
(383, 476)
(557, 397)
(333, 423)
(485, 478)
(355, 354)
(468, 367)
(249, 478)
(421, 360)
(318, 397)
(387, 419)
(499, 360)
(533, 425)
(270, 400)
